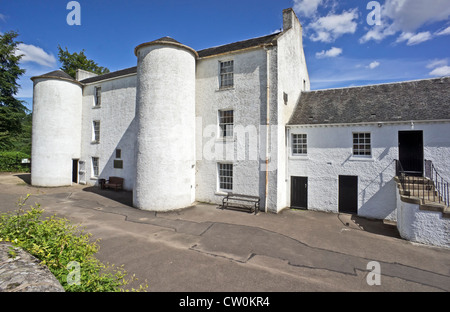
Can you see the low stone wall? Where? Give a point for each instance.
(22, 272)
(418, 224)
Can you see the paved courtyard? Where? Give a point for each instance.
(204, 248)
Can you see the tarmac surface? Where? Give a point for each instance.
(206, 249)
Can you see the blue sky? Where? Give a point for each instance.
(343, 48)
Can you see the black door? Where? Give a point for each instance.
(299, 192)
(410, 150)
(75, 170)
(348, 194)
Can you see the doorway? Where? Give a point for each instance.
(410, 152)
(75, 170)
(348, 194)
(299, 192)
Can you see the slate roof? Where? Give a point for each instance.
(254, 42)
(118, 73)
(57, 74)
(269, 39)
(427, 99)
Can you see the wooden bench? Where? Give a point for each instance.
(241, 202)
(114, 183)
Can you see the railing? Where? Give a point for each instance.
(441, 186)
(431, 186)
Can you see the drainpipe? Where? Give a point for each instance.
(267, 126)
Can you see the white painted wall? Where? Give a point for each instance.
(56, 131)
(117, 129)
(165, 114)
(292, 78)
(246, 99)
(330, 155)
(422, 226)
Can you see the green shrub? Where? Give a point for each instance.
(56, 243)
(11, 162)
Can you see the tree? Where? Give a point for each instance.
(73, 61)
(12, 110)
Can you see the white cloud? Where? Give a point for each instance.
(2, 17)
(35, 54)
(407, 16)
(441, 71)
(329, 28)
(373, 65)
(436, 63)
(333, 52)
(413, 39)
(306, 7)
(446, 31)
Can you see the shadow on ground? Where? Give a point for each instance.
(123, 197)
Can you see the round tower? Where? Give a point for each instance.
(165, 115)
(56, 129)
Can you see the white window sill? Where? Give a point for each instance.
(95, 142)
(225, 89)
(94, 178)
(96, 106)
(299, 157)
(222, 193)
(361, 158)
(225, 139)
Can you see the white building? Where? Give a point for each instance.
(186, 125)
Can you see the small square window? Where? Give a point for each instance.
(299, 144)
(362, 144)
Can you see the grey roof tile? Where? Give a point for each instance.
(427, 99)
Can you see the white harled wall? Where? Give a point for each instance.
(56, 130)
(330, 155)
(165, 115)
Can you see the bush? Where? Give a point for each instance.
(11, 162)
(57, 243)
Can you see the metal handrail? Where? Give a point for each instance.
(441, 185)
(431, 186)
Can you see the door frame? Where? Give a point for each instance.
(421, 147)
(305, 193)
(354, 208)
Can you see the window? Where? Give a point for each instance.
(226, 74)
(98, 96)
(96, 131)
(118, 153)
(299, 144)
(225, 177)
(118, 163)
(361, 144)
(95, 166)
(226, 123)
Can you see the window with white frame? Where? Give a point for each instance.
(96, 131)
(226, 74)
(95, 164)
(97, 96)
(362, 144)
(299, 144)
(225, 176)
(226, 121)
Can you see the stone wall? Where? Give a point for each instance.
(21, 272)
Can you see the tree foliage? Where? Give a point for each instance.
(12, 110)
(72, 61)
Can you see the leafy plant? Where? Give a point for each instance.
(11, 162)
(57, 243)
